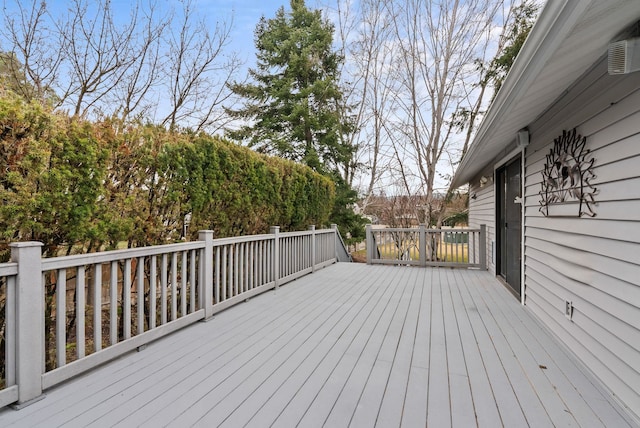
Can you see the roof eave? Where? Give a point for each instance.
(555, 21)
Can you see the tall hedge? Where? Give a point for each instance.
(79, 187)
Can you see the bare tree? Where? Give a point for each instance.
(154, 63)
(437, 44)
(198, 71)
(99, 52)
(415, 66)
(36, 48)
(133, 94)
(364, 30)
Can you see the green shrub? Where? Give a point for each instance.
(78, 186)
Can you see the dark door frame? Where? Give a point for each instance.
(508, 193)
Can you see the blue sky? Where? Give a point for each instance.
(246, 14)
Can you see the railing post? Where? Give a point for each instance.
(312, 228)
(275, 230)
(422, 242)
(206, 272)
(369, 244)
(483, 246)
(29, 321)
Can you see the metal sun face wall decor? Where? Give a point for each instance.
(566, 190)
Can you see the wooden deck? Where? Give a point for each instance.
(351, 345)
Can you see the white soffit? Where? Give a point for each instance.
(568, 38)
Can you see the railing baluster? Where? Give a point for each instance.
(223, 285)
(183, 287)
(256, 264)
(10, 331)
(263, 263)
(304, 248)
(153, 287)
(247, 266)
(80, 308)
(61, 318)
(266, 271)
(113, 303)
(476, 248)
(470, 240)
(234, 266)
(217, 283)
(238, 267)
(286, 249)
(482, 244)
(192, 281)
(284, 263)
(126, 301)
(250, 266)
(174, 286)
(269, 261)
(163, 289)
(260, 263)
(243, 267)
(284, 259)
(97, 307)
(140, 295)
(312, 248)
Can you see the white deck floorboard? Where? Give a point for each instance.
(351, 345)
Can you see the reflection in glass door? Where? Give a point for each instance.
(509, 222)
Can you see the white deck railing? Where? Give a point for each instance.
(421, 246)
(66, 315)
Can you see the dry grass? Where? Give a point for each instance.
(448, 252)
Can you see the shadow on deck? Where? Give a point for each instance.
(350, 345)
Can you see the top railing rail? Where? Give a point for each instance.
(65, 315)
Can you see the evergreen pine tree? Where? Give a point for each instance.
(291, 105)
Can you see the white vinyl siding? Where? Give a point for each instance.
(482, 211)
(593, 262)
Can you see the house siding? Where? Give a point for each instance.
(592, 262)
(482, 211)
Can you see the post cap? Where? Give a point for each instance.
(26, 244)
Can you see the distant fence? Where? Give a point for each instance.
(421, 246)
(65, 315)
